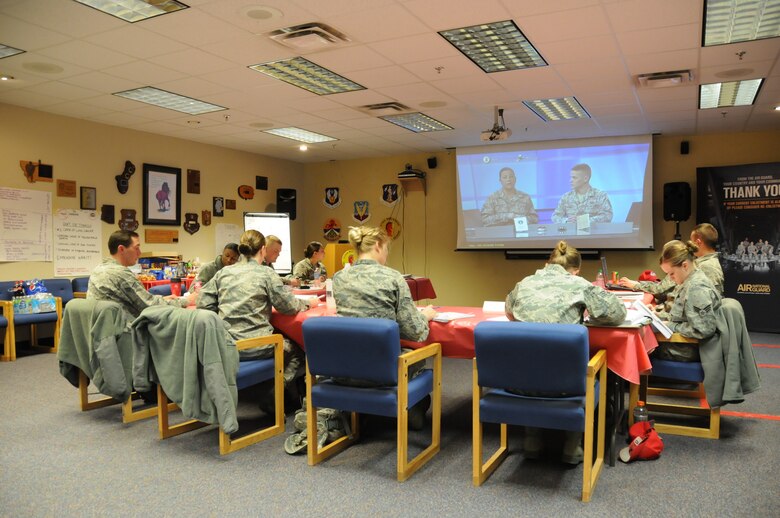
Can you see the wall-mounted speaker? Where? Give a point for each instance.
(286, 201)
(677, 201)
(685, 147)
(432, 163)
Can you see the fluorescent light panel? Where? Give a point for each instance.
(301, 135)
(562, 108)
(417, 122)
(734, 93)
(171, 101)
(304, 74)
(731, 21)
(134, 10)
(495, 47)
(6, 51)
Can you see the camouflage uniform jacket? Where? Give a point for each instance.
(371, 290)
(709, 264)
(553, 295)
(207, 271)
(501, 208)
(116, 283)
(594, 202)
(243, 296)
(695, 309)
(285, 279)
(304, 270)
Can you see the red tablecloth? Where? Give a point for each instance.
(627, 348)
(187, 282)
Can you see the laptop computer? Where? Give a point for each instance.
(605, 272)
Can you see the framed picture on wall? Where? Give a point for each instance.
(162, 195)
(219, 206)
(88, 198)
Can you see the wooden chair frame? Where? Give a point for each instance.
(591, 470)
(405, 467)
(642, 391)
(9, 348)
(129, 415)
(226, 443)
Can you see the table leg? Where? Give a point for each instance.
(616, 388)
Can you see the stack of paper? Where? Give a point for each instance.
(447, 316)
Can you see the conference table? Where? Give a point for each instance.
(420, 288)
(627, 348)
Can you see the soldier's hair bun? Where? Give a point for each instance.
(251, 243)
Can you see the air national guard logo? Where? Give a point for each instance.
(390, 194)
(361, 213)
(191, 224)
(332, 197)
(331, 230)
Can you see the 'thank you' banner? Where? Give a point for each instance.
(743, 202)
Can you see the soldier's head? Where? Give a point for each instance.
(370, 243)
(314, 252)
(566, 256)
(507, 178)
(230, 254)
(580, 177)
(125, 247)
(252, 245)
(706, 238)
(677, 260)
(273, 247)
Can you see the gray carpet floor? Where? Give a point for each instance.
(58, 461)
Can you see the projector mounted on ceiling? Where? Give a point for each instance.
(498, 131)
(665, 79)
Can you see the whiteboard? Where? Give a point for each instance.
(276, 224)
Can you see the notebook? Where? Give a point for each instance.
(605, 272)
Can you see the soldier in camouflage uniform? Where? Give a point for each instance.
(243, 296)
(507, 203)
(556, 294)
(369, 289)
(112, 279)
(583, 199)
(228, 256)
(705, 236)
(695, 310)
(311, 267)
(273, 247)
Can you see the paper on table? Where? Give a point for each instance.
(447, 316)
(493, 306)
(635, 317)
(656, 322)
(502, 318)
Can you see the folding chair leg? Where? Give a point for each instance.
(163, 426)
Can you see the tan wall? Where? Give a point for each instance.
(426, 245)
(93, 154)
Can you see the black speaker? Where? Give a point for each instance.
(677, 201)
(432, 163)
(285, 201)
(685, 147)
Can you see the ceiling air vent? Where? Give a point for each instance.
(309, 36)
(665, 79)
(383, 109)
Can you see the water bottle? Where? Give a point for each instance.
(600, 280)
(176, 286)
(640, 412)
(330, 300)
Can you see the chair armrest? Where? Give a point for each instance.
(79, 294)
(421, 353)
(249, 343)
(595, 363)
(678, 338)
(8, 311)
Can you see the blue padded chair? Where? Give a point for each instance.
(368, 349)
(543, 359)
(684, 372)
(250, 373)
(63, 293)
(6, 326)
(80, 286)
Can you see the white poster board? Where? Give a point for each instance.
(273, 224)
(78, 242)
(25, 225)
(225, 233)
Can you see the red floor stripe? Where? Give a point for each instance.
(770, 346)
(768, 366)
(750, 415)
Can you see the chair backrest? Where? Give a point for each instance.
(4, 287)
(360, 348)
(80, 284)
(60, 288)
(532, 357)
(161, 289)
